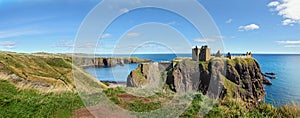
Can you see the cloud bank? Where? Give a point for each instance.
(290, 43)
(8, 44)
(288, 9)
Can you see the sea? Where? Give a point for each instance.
(285, 89)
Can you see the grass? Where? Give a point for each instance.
(55, 70)
(32, 67)
(193, 109)
(31, 103)
(139, 106)
(233, 108)
(227, 108)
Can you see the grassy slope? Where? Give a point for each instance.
(31, 103)
(55, 70)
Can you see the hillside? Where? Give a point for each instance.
(42, 71)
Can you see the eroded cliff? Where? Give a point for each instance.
(106, 61)
(219, 78)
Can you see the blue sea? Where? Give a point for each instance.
(285, 88)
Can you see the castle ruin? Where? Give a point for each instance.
(202, 54)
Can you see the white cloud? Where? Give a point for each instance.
(288, 42)
(71, 44)
(204, 40)
(289, 10)
(288, 22)
(273, 4)
(105, 36)
(229, 21)
(124, 10)
(87, 45)
(249, 27)
(65, 44)
(132, 35)
(8, 44)
(16, 33)
(292, 46)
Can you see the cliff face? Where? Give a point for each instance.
(219, 78)
(106, 62)
(238, 78)
(149, 75)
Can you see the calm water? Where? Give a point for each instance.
(285, 89)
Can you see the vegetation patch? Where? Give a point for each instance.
(31, 103)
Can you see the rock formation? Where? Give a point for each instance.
(219, 78)
(106, 62)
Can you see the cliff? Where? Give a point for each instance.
(219, 78)
(106, 61)
(44, 72)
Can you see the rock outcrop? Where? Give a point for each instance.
(106, 62)
(219, 78)
(149, 75)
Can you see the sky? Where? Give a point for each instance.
(259, 26)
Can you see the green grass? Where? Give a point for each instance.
(139, 106)
(43, 67)
(233, 108)
(227, 108)
(58, 62)
(193, 109)
(30, 103)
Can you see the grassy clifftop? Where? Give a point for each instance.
(45, 72)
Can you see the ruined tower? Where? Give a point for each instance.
(202, 54)
(196, 53)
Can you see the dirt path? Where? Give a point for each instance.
(101, 111)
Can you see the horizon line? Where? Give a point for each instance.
(146, 53)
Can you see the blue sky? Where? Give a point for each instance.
(260, 26)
